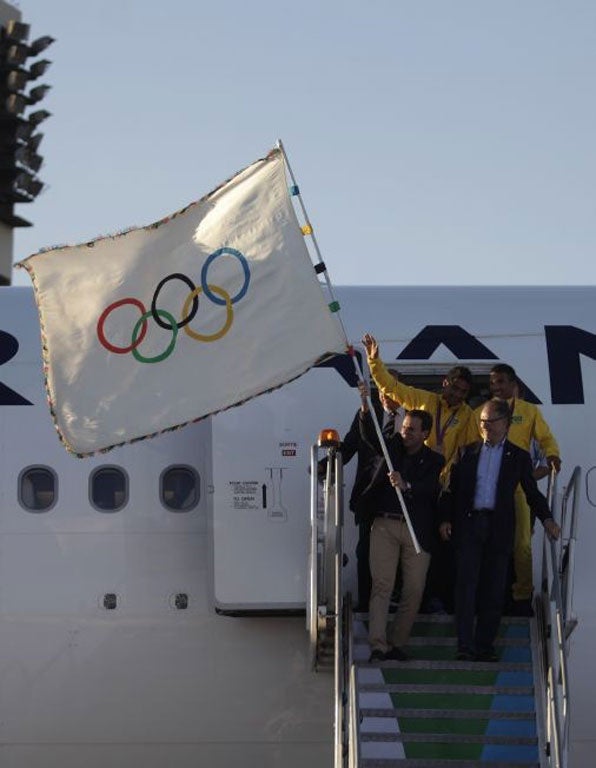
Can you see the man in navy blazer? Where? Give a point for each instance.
(478, 510)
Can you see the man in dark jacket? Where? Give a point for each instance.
(479, 510)
(416, 473)
(367, 455)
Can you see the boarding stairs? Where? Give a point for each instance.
(433, 711)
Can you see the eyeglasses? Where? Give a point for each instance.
(491, 421)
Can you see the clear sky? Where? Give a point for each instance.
(434, 141)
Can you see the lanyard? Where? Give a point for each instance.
(441, 430)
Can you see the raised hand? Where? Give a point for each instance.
(371, 346)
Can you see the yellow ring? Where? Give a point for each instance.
(229, 314)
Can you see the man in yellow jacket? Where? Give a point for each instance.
(452, 416)
(527, 424)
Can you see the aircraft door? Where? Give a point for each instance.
(261, 505)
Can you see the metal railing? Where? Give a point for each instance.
(557, 587)
(567, 552)
(339, 667)
(322, 566)
(326, 602)
(312, 602)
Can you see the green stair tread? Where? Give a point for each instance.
(448, 739)
(443, 701)
(447, 629)
(440, 676)
(450, 665)
(434, 688)
(373, 762)
(437, 713)
(453, 725)
(433, 630)
(451, 642)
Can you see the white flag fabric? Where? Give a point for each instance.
(156, 327)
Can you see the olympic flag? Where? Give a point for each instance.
(159, 326)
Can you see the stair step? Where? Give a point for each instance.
(459, 701)
(453, 730)
(515, 636)
(498, 729)
(494, 690)
(452, 714)
(472, 666)
(441, 763)
(452, 640)
(472, 676)
(430, 640)
(447, 618)
(449, 738)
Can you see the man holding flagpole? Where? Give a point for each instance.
(416, 474)
(452, 418)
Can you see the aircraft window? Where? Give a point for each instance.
(38, 489)
(108, 489)
(180, 488)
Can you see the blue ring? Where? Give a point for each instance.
(233, 252)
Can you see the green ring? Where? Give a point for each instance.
(172, 344)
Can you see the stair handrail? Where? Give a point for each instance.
(354, 721)
(321, 590)
(340, 725)
(556, 663)
(312, 601)
(347, 707)
(567, 569)
(556, 640)
(338, 606)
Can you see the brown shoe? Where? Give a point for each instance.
(396, 654)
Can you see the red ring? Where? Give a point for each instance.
(101, 336)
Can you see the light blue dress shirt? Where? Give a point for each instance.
(487, 475)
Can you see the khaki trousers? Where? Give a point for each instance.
(390, 544)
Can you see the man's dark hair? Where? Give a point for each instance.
(425, 418)
(506, 369)
(4, 280)
(460, 372)
(501, 408)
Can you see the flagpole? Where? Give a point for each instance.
(321, 268)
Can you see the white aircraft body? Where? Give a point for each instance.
(152, 598)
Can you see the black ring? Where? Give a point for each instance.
(195, 301)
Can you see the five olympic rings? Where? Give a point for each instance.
(166, 320)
